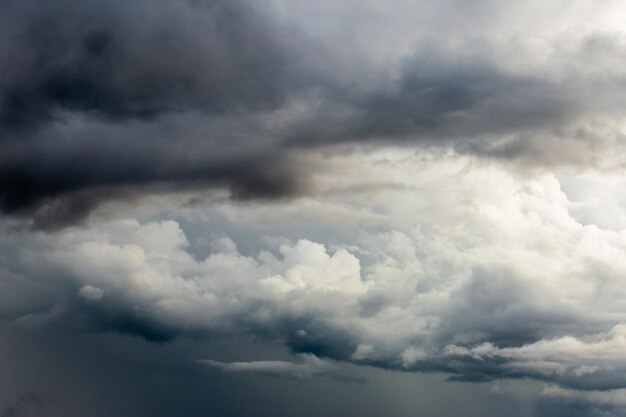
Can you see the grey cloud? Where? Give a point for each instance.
(532, 297)
(498, 322)
(496, 305)
(183, 94)
(86, 84)
(140, 59)
(80, 373)
(438, 263)
(309, 366)
(580, 364)
(102, 101)
(60, 184)
(440, 97)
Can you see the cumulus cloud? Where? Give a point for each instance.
(581, 364)
(535, 294)
(345, 179)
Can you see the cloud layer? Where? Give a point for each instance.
(484, 277)
(119, 98)
(429, 187)
(310, 366)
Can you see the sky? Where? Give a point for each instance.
(293, 208)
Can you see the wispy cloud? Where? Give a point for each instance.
(309, 366)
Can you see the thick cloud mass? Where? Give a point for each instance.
(432, 263)
(140, 59)
(85, 86)
(97, 98)
(426, 188)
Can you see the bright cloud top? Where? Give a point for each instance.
(416, 287)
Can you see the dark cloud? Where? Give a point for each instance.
(308, 367)
(60, 184)
(424, 270)
(108, 374)
(118, 62)
(497, 306)
(105, 100)
(140, 59)
(455, 287)
(445, 96)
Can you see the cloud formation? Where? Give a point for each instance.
(567, 360)
(536, 294)
(120, 98)
(310, 366)
(431, 187)
(141, 59)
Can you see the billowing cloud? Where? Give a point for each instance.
(139, 59)
(582, 364)
(416, 287)
(123, 98)
(428, 187)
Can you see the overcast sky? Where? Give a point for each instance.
(312, 208)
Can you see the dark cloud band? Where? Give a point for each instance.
(99, 97)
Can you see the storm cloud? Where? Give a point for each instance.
(140, 59)
(537, 297)
(209, 191)
(97, 98)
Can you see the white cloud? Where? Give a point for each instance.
(90, 293)
(458, 266)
